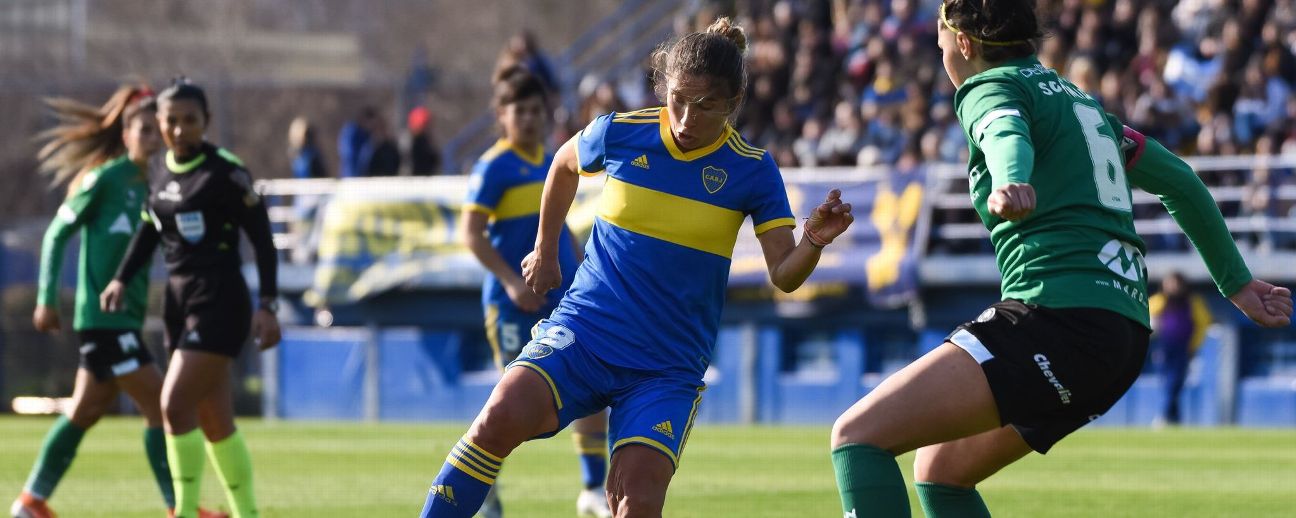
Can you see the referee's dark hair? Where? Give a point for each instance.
(1004, 29)
(181, 88)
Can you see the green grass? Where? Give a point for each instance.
(341, 469)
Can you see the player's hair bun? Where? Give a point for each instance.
(725, 27)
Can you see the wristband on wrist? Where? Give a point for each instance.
(815, 240)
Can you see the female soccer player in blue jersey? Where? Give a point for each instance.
(499, 224)
(636, 330)
(1052, 185)
(103, 153)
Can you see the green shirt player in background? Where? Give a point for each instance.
(1049, 180)
(104, 152)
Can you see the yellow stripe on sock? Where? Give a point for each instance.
(590, 444)
(479, 449)
(469, 470)
(477, 457)
(458, 454)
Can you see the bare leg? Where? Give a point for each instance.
(638, 481)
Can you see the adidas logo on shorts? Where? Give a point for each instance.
(664, 428)
(642, 161)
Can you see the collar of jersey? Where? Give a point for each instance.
(663, 125)
(1015, 63)
(534, 157)
(178, 168)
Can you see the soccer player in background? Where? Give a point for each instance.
(1180, 319)
(1050, 182)
(103, 154)
(499, 224)
(196, 210)
(637, 328)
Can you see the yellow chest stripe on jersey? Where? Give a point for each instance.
(685, 222)
(521, 200)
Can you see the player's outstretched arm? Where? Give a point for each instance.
(790, 263)
(540, 268)
(1155, 169)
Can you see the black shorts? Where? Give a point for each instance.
(109, 353)
(1053, 370)
(209, 312)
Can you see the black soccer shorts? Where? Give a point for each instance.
(1053, 370)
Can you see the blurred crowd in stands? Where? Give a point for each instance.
(859, 82)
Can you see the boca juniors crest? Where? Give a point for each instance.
(713, 178)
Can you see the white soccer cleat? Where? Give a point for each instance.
(492, 508)
(593, 502)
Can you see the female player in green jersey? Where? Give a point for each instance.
(498, 223)
(636, 330)
(1050, 182)
(195, 211)
(103, 154)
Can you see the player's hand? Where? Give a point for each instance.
(522, 296)
(1264, 303)
(265, 327)
(541, 272)
(831, 218)
(1012, 202)
(113, 297)
(46, 319)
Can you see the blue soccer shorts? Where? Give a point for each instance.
(648, 408)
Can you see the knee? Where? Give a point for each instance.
(849, 429)
(934, 468)
(86, 413)
(500, 428)
(174, 411)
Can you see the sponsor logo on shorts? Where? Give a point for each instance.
(1046, 367)
(445, 493)
(88, 348)
(125, 367)
(986, 315)
(193, 337)
(665, 428)
(128, 343)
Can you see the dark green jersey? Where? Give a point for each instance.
(1025, 124)
(105, 205)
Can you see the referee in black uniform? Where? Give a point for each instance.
(195, 209)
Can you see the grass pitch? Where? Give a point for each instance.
(361, 470)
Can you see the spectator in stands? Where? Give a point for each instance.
(380, 155)
(1179, 321)
(352, 141)
(307, 162)
(424, 156)
(843, 139)
(523, 50)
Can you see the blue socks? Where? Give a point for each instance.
(592, 448)
(460, 488)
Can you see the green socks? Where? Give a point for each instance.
(155, 448)
(234, 466)
(870, 482)
(55, 457)
(185, 457)
(942, 501)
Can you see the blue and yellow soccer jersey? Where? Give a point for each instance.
(651, 288)
(506, 183)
